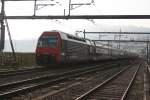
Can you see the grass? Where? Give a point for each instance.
(22, 60)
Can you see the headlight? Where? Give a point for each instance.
(62, 53)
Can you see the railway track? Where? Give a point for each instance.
(114, 88)
(15, 76)
(10, 89)
(34, 70)
(20, 71)
(71, 89)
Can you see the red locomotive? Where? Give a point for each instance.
(55, 47)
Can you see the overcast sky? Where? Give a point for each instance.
(31, 29)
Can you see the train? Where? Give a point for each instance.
(57, 47)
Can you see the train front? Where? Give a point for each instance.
(48, 49)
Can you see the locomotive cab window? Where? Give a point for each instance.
(48, 41)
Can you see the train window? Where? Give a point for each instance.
(48, 41)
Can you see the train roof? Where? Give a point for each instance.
(70, 37)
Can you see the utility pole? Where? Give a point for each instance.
(11, 42)
(2, 38)
(147, 52)
(69, 7)
(99, 36)
(84, 33)
(108, 49)
(119, 38)
(35, 8)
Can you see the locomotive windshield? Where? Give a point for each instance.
(48, 41)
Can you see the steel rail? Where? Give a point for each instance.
(85, 95)
(100, 85)
(101, 74)
(37, 78)
(34, 86)
(7, 73)
(20, 71)
(51, 79)
(131, 82)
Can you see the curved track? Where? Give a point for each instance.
(114, 88)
